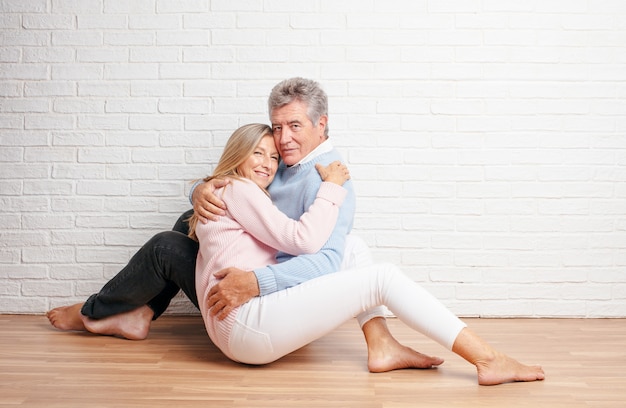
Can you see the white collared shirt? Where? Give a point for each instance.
(324, 147)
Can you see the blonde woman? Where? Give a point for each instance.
(268, 327)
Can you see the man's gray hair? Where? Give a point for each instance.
(304, 90)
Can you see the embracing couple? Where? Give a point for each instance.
(267, 257)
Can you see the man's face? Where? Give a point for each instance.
(294, 134)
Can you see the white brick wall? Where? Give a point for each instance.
(487, 138)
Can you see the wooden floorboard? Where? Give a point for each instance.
(177, 366)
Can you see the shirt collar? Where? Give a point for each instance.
(324, 147)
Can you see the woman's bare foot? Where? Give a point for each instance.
(385, 353)
(502, 369)
(397, 357)
(132, 325)
(493, 367)
(67, 317)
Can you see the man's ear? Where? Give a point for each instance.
(322, 125)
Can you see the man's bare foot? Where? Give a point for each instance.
(132, 325)
(67, 317)
(395, 356)
(503, 369)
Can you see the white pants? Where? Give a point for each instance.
(272, 326)
(357, 255)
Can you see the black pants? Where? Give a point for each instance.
(153, 276)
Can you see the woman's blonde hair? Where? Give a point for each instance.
(238, 149)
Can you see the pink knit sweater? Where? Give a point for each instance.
(250, 234)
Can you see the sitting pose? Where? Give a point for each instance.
(298, 111)
(267, 327)
(142, 290)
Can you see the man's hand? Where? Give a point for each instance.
(235, 288)
(206, 204)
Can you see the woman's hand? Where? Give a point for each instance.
(206, 204)
(336, 172)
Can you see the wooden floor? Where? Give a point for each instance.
(177, 366)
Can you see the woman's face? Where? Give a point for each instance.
(261, 166)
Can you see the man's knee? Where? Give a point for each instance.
(182, 224)
(174, 240)
(175, 256)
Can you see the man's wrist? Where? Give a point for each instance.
(254, 284)
(193, 188)
(265, 281)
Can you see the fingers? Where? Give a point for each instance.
(208, 194)
(207, 211)
(321, 169)
(206, 204)
(224, 313)
(219, 275)
(339, 166)
(336, 172)
(219, 183)
(333, 170)
(220, 309)
(346, 171)
(200, 214)
(215, 309)
(212, 300)
(204, 215)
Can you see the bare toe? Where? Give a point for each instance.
(66, 317)
(502, 369)
(401, 358)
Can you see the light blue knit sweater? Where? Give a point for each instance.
(293, 191)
